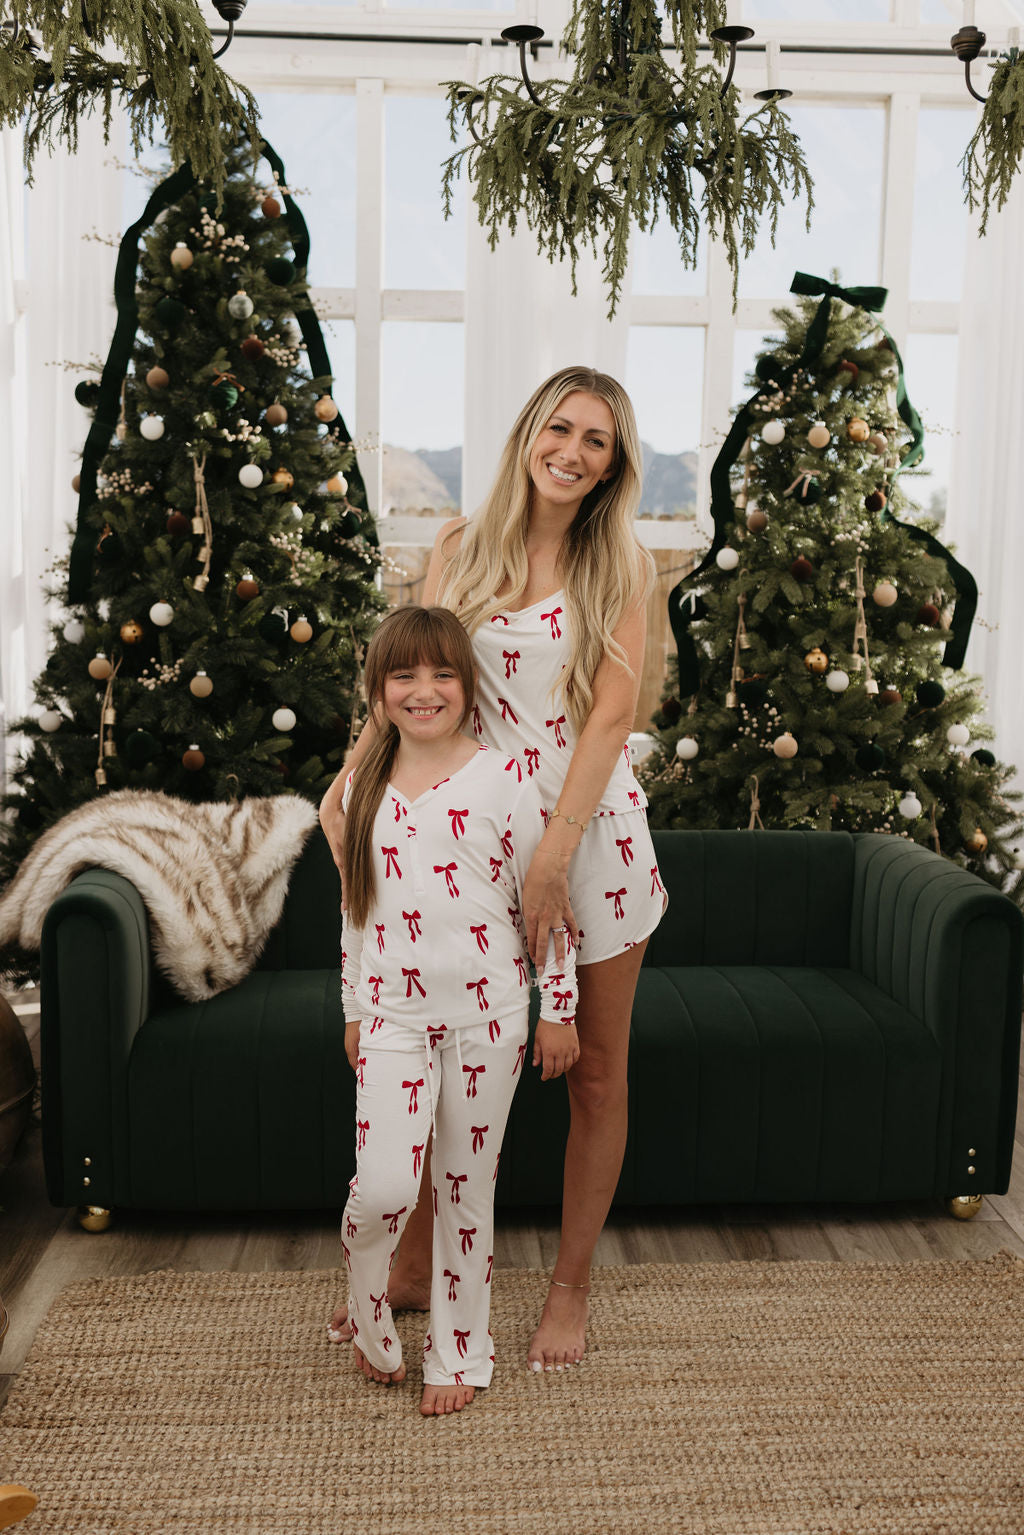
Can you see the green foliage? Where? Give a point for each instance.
(626, 140)
(163, 75)
(992, 158)
(306, 545)
(755, 690)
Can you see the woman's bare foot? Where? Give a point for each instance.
(403, 1295)
(561, 1337)
(382, 1377)
(437, 1400)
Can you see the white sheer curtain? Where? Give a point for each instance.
(69, 317)
(985, 519)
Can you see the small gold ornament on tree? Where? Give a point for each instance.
(858, 430)
(816, 660)
(976, 843)
(131, 632)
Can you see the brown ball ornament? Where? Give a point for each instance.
(252, 348)
(816, 660)
(851, 368)
(275, 415)
(325, 409)
(177, 523)
(801, 568)
(200, 686)
(131, 632)
(301, 631)
(875, 500)
(929, 615)
(270, 207)
(757, 520)
(193, 759)
(819, 435)
(100, 668)
(857, 430)
(181, 258)
(283, 477)
(76, 483)
(888, 696)
(977, 842)
(157, 378)
(247, 589)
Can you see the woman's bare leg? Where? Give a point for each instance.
(598, 1105)
(409, 1283)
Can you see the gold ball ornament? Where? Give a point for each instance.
(283, 477)
(757, 520)
(337, 485)
(816, 660)
(884, 594)
(200, 686)
(157, 378)
(977, 842)
(193, 759)
(325, 409)
(181, 258)
(785, 745)
(819, 435)
(858, 430)
(275, 415)
(301, 631)
(131, 632)
(76, 483)
(94, 1218)
(99, 667)
(247, 588)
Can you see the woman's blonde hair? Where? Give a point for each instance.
(411, 636)
(605, 571)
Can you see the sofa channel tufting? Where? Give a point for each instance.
(820, 1017)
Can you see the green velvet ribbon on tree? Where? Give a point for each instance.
(115, 368)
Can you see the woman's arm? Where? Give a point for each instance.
(445, 548)
(603, 737)
(332, 817)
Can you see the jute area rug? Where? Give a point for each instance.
(716, 1399)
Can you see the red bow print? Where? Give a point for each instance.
(478, 724)
(616, 896)
(362, 1125)
(413, 1089)
(458, 823)
(455, 1179)
(556, 633)
(360, 1063)
(511, 658)
(446, 870)
(400, 809)
(562, 1000)
(496, 867)
(461, 1343)
(412, 978)
(499, 618)
(481, 999)
(520, 1058)
(512, 766)
(656, 881)
(380, 936)
(557, 724)
(524, 979)
(480, 934)
(376, 982)
(506, 843)
(507, 711)
(351, 1229)
(634, 799)
(479, 1131)
(625, 847)
(532, 755)
(453, 1280)
(393, 1220)
(378, 1305)
(417, 1159)
(472, 1072)
(467, 1233)
(436, 1035)
(415, 931)
(391, 862)
(490, 1268)
(494, 1030)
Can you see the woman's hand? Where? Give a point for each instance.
(556, 1048)
(546, 905)
(352, 1042)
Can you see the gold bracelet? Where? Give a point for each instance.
(570, 820)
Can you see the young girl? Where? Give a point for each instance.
(439, 832)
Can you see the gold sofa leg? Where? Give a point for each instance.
(964, 1207)
(93, 1217)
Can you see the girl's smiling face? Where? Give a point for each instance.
(575, 450)
(425, 702)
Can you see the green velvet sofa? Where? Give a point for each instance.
(820, 1017)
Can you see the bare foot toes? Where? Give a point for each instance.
(561, 1337)
(382, 1377)
(339, 1329)
(438, 1400)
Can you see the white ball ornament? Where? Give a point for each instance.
(837, 681)
(161, 614)
(240, 306)
(283, 720)
(958, 735)
(727, 559)
(251, 476)
(50, 721)
(910, 807)
(884, 594)
(200, 686)
(74, 631)
(291, 333)
(152, 428)
(773, 432)
(785, 745)
(819, 435)
(687, 748)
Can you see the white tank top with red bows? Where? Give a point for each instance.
(520, 708)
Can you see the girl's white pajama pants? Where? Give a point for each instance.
(458, 1082)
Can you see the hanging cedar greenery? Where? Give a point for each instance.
(152, 58)
(993, 156)
(627, 139)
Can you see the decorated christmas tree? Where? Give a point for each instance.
(821, 639)
(221, 578)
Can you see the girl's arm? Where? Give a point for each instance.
(546, 905)
(351, 959)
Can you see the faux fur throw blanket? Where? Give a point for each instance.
(213, 877)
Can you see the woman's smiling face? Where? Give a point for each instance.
(575, 450)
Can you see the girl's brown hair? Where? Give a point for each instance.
(411, 636)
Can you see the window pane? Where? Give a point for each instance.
(323, 185)
(421, 248)
(658, 265)
(930, 365)
(664, 377)
(941, 13)
(939, 233)
(844, 148)
(422, 414)
(340, 340)
(748, 346)
(814, 10)
(450, 5)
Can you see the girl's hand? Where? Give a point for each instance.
(352, 1042)
(546, 906)
(556, 1048)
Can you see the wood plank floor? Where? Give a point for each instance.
(43, 1249)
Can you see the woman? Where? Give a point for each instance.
(551, 584)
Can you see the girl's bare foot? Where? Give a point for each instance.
(403, 1295)
(382, 1377)
(437, 1400)
(561, 1338)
